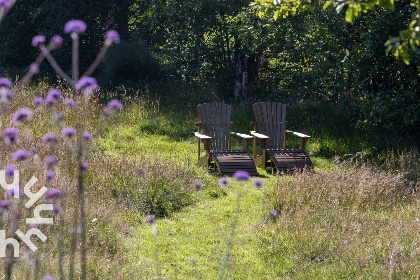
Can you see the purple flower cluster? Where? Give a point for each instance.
(113, 106)
(11, 192)
(69, 102)
(56, 41)
(197, 185)
(34, 68)
(10, 171)
(38, 101)
(223, 182)
(241, 175)
(37, 40)
(22, 115)
(112, 36)
(5, 95)
(75, 26)
(258, 183)
(5, 82)
(50, 175)
(87, 136)
(68, 131)
(51, 161)
(53, 96)
(50, 138)
(11, 135)
(51, 193)
(5, 3)
(20, 155)
(150, 220)
(87, 83)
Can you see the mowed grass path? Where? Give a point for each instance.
(191, 243)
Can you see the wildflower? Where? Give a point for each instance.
(241, 175)
(258, 183)
(107, 111)
(4, 204)
(112, 37)
(223, 182)
(5, 95)
(141, 171)
(48, 277)
(11, 192)
(50, 175)
(11, 135)
(38, 101)
(114, 105)
(51, 161)
(34, 68)
(37, 40)
(150, 220)
(60, 116)
(86, 135)
(53, 96)
(10, 170)
(84, 165)
(197, 185)
(20, 155)
(273, 213)
(56, 209)
(75, 26)
(22, 115)
(5, 82)
(52, 193)
(56, 41)
(50, 138)
(5, 3)
(68, 131)
(69, 102)
(87, 83)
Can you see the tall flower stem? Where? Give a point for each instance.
(231, 236)
(75, 56)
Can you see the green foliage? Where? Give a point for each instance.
(128, 64)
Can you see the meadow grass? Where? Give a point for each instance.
(350, 219)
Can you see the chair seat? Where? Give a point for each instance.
(289, 160)
(231, 161)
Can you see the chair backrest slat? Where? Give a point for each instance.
(271, 120)
(215, 119)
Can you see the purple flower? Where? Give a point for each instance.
(11, 192)
(56, 209)
(112, 36)
(84, 165)
(22, 115)
(197, 185)
(69, 102)
(68, 131)
(241, 175)
(76, 26)
(223, 182)
(51, 161)
(114, 105)
(86, 135)
(5, 3)
(56, 41)
(50, 175)
(141, 171)
(38, 101)
(5, 82)
(5, 95)
(11, 135)
(50, 138)
(38, 40)
(52, 193)
(273, 213)
(34, 68)
(4, 204)
(53, 96)
(20, 155)
(150, 220)
(10, 170)
(87, 83)
(49, 277)
(107, 111)
(258, 183)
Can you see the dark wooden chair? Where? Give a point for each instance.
(271, 121)
(215, 122)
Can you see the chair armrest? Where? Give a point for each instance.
(258, 135)
(202, 136)
(245, 138)
(199, 124)
(298, 134)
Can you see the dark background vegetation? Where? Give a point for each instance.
(314, 57)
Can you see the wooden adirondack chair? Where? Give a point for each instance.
(215, 122)
(271, 122)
